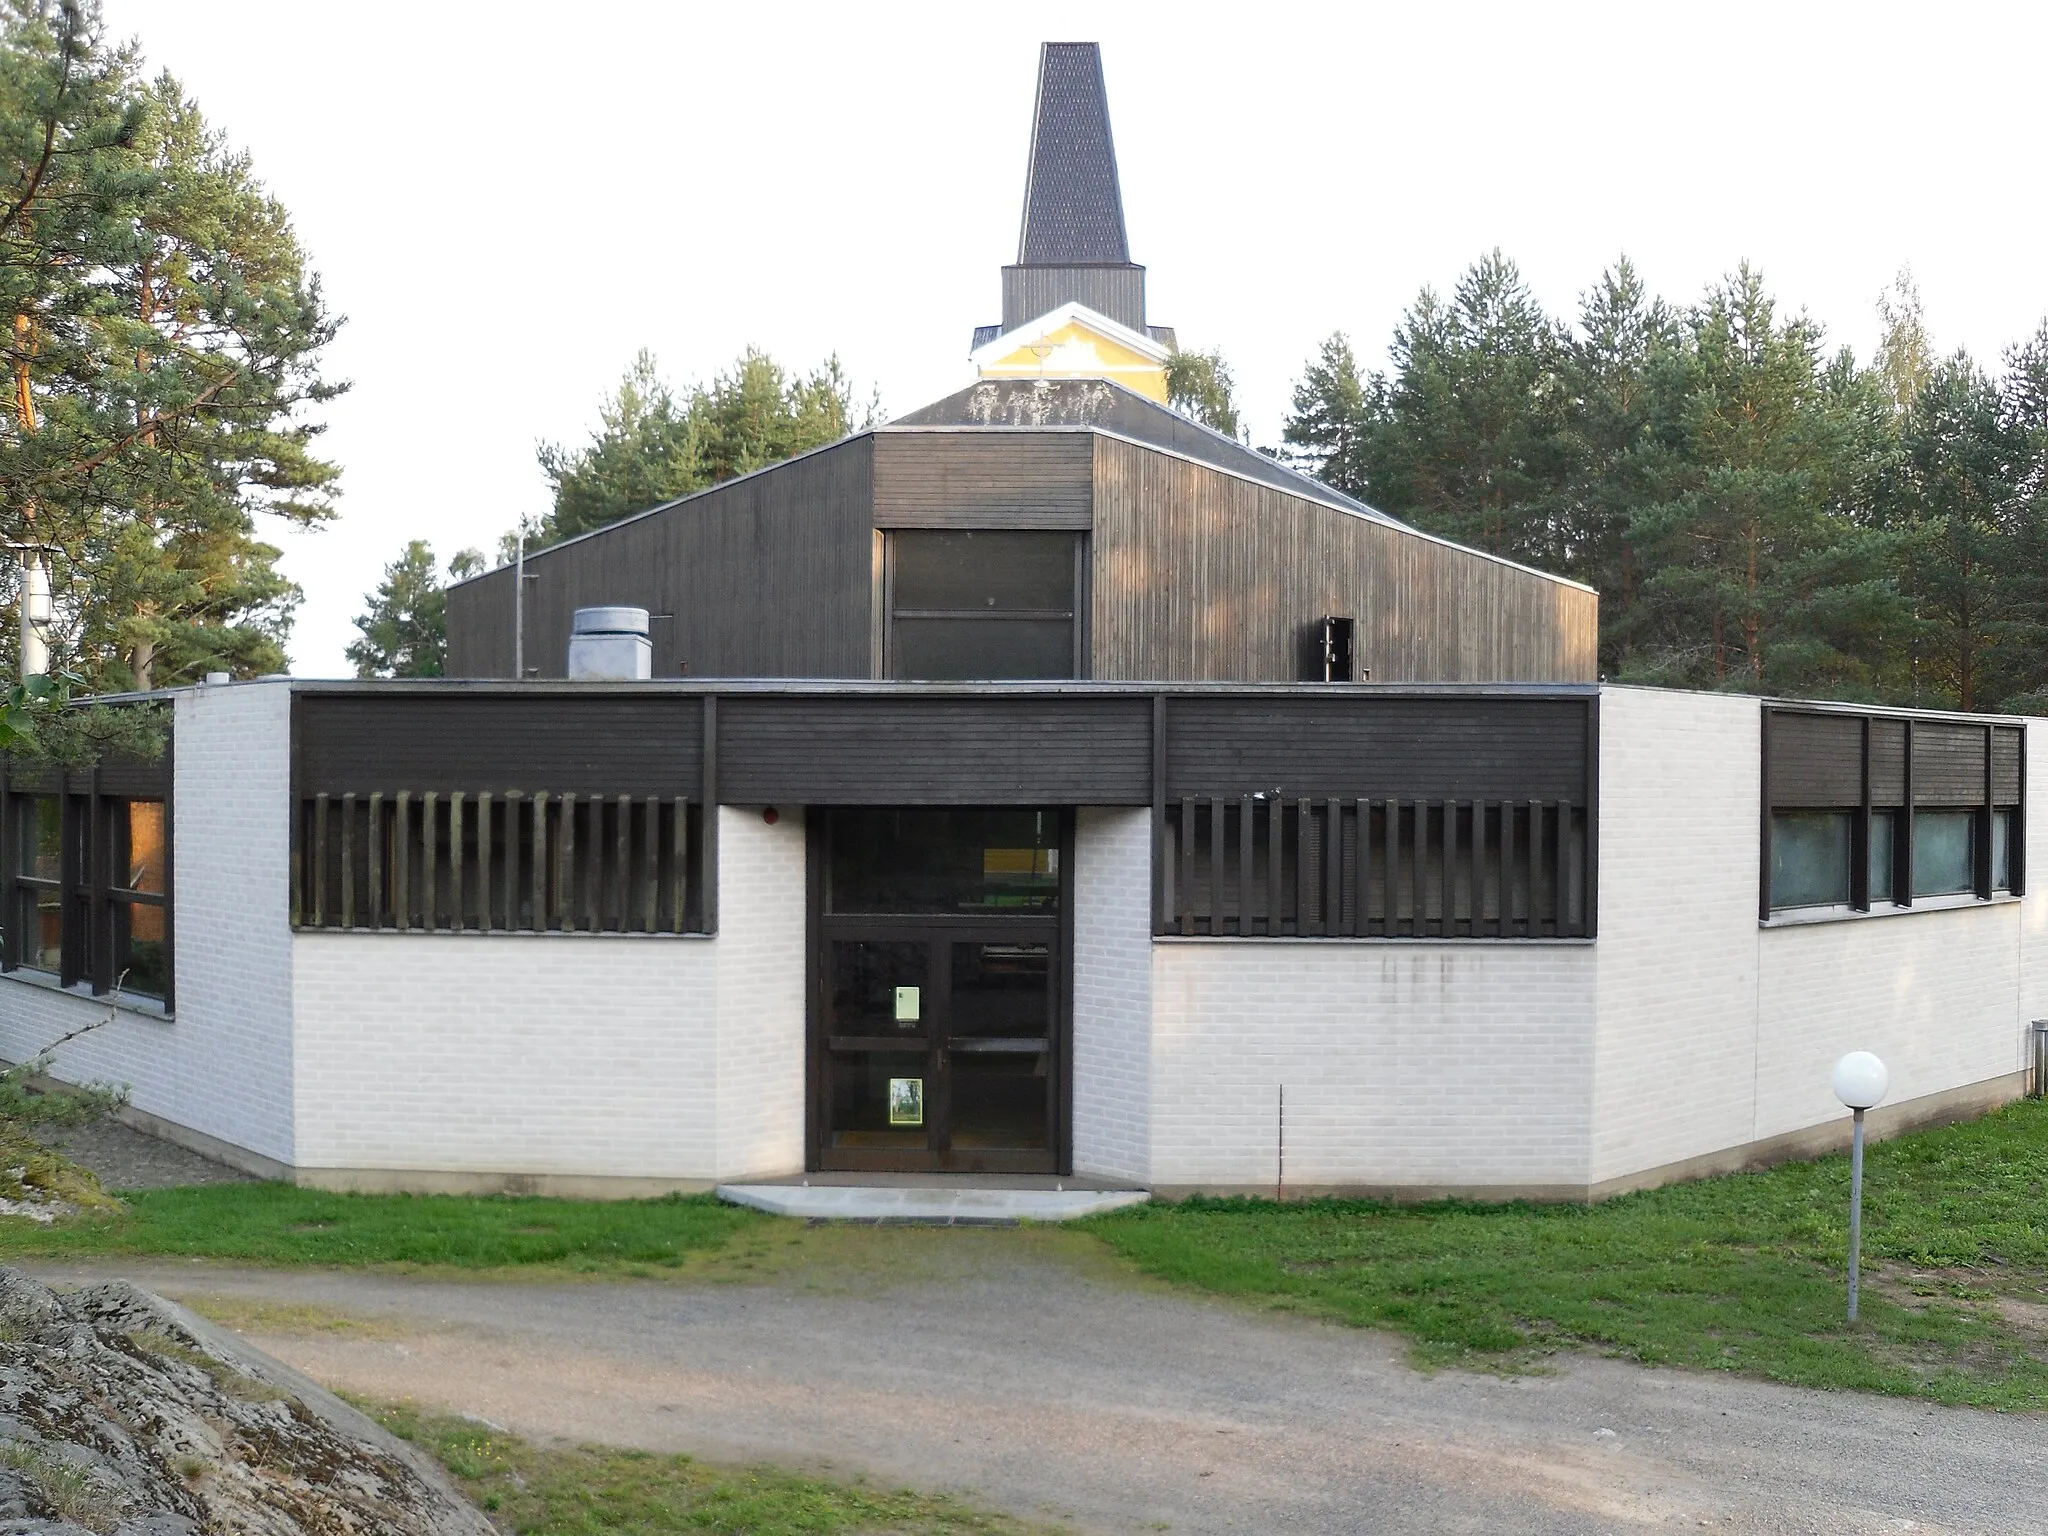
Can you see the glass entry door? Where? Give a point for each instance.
(936, 1037)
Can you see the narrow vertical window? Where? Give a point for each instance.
(39, 879)
(136, 895)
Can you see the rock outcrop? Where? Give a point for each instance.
(122, 1414)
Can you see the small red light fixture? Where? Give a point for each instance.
(771, 815)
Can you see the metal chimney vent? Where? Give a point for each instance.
(610, 645)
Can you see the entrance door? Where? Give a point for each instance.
(937, 1036)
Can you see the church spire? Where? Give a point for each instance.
(1074, 301)
(1073, 208)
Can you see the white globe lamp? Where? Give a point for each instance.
(1861, 1083)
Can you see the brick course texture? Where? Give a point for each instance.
(1112, 1066)
(1686, 1031)
(223, 1066)
(1715, 1031)
(571, 1055)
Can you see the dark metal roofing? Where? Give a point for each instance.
(1110, 406)
(1073, 208)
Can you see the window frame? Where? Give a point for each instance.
(1076, 617)
(1986, 811)
(88, 799)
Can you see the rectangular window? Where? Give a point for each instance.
(1944, 799)
(1810, 858)
(136, 897)
(1884, 831)
(943, 861)
(1944, 853)
(983, 605)
(39, 881)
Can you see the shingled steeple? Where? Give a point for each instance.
(1072, 248)
(1073, 208)
(1074, 301)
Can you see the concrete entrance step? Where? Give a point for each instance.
(948, 1205)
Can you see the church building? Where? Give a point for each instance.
(1039, 789)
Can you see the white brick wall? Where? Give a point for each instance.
(1112, 1065)
(1406, 1065)
(1675, 1061)
(760, 1065)
(580, 1054)
(1685, 1030)
(1715, 1032)
(561, 1054)
(223, 1066)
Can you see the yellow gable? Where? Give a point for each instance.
(1076, 350)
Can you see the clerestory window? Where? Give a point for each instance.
(983, 605)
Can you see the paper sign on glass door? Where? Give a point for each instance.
(906, 1101)
(907, 1005)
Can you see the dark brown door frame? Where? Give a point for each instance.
(1040, 927)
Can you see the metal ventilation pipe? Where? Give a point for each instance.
(610, 645)
(35, 615)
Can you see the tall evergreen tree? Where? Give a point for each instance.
(404, 632)
(1327, 432)
(652, 447)
(1762, 579)
(1614, 458)
(1469, 431)
(162, 341)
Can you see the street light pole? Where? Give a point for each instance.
(1855, 1211)
(1861, 1083)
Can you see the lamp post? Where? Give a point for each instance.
(1861, 1083)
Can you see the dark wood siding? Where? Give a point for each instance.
(956, 479)
(2005, 765)
(1816, 761)
(1353, 744)
(765, 576)
(602, 744)
(1887, 764)
(1199, 574)
(1948, 764)
(1118, 292)
(936, 750)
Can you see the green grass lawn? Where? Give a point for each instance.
(533, 1491)
(282, 1224)
(1742, 1273)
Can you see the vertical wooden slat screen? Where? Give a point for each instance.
(1420, 868)
(1246, 863)
(584, 864)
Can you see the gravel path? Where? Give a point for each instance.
(1051, 1393)
(125, 1158)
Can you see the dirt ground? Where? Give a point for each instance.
(1056, 1389)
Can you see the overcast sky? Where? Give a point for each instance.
(508, 200)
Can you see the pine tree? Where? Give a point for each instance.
(1613, 456)
(1469, 439)
(405, 629)
(1761, 577)
(162, 348)
(1327, 430)
(651, 447)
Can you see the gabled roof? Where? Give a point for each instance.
(1072, 312)
(1073, 207)
(1110, 406)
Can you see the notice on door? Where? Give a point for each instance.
(906, 1099)
(907, 1005)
